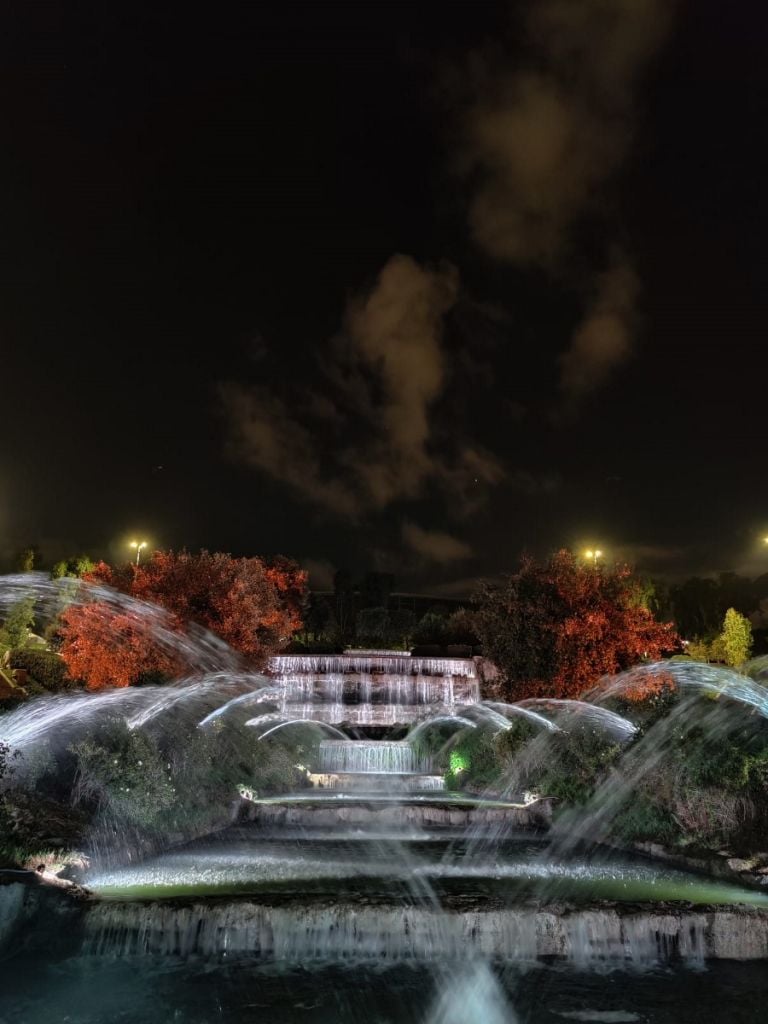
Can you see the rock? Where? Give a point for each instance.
(739, 865)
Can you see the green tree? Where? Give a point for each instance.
(320, 619)
(76, 567)
(461, 628)
(402, 623)
(431, 627)
(699, 650)
(27, 559)
(736, 638)
(372, 625)
(18, 623)
(344, 601)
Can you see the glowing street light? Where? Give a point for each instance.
(139, 545)
(592, 556)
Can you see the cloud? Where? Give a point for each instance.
(265, 435)
(435, 546)
(395, 333)
(603, 340)
(382, 379)
(541, 139)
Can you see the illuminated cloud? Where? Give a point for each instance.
(542, 141)
(603, 340)
(542, 138)
(379, 383)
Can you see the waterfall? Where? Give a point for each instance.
(369, 756)
(11, 908)
(471, 993)
(375, 782)
(395, 664)
(587, 938)
(372, 688)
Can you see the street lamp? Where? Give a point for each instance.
(139, 545)
(592, 556)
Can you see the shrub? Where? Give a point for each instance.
(642, 819)
(574, 764)
(124, 776)
(45, 668)
(480, 758)
(18, 622)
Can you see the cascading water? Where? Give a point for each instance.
(397, 664)
(369, 863)
(372, 689)
(586, 938)
(369, 756)
(11, 908)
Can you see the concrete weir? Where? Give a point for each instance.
(585, 937)
(401, 812)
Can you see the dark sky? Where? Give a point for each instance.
(401, 286)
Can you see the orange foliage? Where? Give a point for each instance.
(644, 686)
(252, 606)
(555, 628)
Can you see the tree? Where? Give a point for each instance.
(76, 567)
(554, 628)
(344, 599)
(319, 618)
(18, 623)
(736, 638)
(372, 625)
(461, 628)
(251, 605)
(402, 623)
(290, 583)
(431, 628)
(27, 559)
(104, 648)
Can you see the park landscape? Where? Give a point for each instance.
(191, 775)
(383, 530)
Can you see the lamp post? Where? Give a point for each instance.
(139, 545)
(592, 556)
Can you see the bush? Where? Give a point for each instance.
(710, 787)
(480, 758)
(372, 626)
(473, 761)
(569, 766)
(19, 620)
(643, 819)
(46, 668)
(123, 776)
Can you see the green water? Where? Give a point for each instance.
(238, 863)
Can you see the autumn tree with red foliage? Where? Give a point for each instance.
(252, 605)
(553, 629)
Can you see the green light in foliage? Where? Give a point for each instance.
(459, 762)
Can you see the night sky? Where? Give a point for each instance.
(412, 287)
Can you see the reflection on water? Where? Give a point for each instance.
(96, 991)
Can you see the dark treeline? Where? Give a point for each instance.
(697, 605)
(369, 612)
